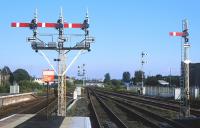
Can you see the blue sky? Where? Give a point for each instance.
(122, 28)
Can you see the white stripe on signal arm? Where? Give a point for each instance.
(17, 24)
(70, 25)
(43, 25)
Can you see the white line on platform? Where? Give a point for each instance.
(7, 117)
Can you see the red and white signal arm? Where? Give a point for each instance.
(48, 75)
(176, 33)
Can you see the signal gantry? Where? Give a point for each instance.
(38, 44)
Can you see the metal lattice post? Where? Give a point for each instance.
(184, 79)
(185, 106)
(62, 101)
(61, 85)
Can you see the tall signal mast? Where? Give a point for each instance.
(82, 72)
(38, 44)
(61, 68)
(184, 83)
(142, 65)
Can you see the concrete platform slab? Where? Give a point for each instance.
(14, 120)
(33, 121)
(76, 122)
(16, 98)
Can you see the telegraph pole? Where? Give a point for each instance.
(185, 62)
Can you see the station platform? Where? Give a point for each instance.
(33, 121)
(76, 122)
(14, 120)
(8, 99)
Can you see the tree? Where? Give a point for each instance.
(11, 79)
(4, 89)
(116, 84)
(20, 75)
(107, 78)
(29, 86)
(173, 80)
(159, 76)
(138, 76)
(152, 81)
(126, 77)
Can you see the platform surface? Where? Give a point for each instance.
(14, 120)
(76, 122)
(33, 121)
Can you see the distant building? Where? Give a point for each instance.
(97, 83)
(39, 81)
(70, 79)
(195, 74)
(5, 75)
(138, 84)
(163, 83)
(14, 88)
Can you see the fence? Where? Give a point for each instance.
(167, 91)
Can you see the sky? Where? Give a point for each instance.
(122, 30)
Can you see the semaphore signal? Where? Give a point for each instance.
(37, 44)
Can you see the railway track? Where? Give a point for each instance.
(193, 103)
(152, 101)
(28, 107)
(150, 118)
(147, 118)
(104, 116)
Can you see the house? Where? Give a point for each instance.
(5, 75)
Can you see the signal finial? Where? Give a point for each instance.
(35, 14)
(185, 24)
(61, 13)
(87, 16)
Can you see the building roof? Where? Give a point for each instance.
(162, 82)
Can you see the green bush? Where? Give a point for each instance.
(4, 89)
(29, 86)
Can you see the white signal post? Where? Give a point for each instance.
(142, 64)
(184, 83)
(82, 72)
